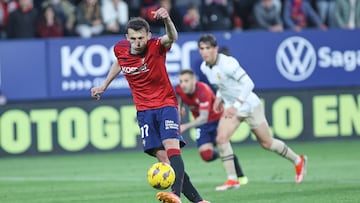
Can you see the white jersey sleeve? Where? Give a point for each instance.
(233, 69)
(232, 82)
(237, 73)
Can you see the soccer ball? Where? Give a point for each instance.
(161, 176)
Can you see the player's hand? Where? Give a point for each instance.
(96, 91)
(182, 112)
(161, 13)
(183, 128)
(218, 107)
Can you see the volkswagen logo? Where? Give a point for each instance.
(296, 58)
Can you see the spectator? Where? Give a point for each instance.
(22, 22)
(49, 24)
(298, 14)
(268, 16)
(6, 7)
(89, 20)
(115, 15)
(217, 15)
(148, 7)
(134, 7)
(325, 9)
(278, 4)
(183, 5)
(243, 13)
(347, 14)
(76, 2)
(65, 10)
(174, 13)
(191, 20)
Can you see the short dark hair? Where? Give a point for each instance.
(208, 38)
(225, 50)
(138, 23)
(187, 71)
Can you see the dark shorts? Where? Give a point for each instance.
(157, 125)
(206, 133)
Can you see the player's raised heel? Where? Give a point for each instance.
(300, 169)
(168, 197)
(228, 185)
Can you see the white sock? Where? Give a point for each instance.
(227, 157)
(283, 150)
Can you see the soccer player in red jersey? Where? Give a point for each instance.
(141, 58)
(199, 98)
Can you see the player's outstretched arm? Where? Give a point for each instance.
(113, 72)
(200, 120)
(181, 107)
(171, 32)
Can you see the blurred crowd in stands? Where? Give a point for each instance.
(21, 19)
(88, 18)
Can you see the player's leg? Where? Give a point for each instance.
(189, 192)
(162, 156)
(172, 141)
(205, 141)
(207, 152)
(188, 189)
(173, 152)
(172, 149)
(243, 180)
(226, 128)
(260, 128)
(154, 146)
(239, 172)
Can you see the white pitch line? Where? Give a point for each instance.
(141, 179)
(79, 179)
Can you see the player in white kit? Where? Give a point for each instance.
(235, 91)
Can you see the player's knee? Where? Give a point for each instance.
(161, 155)
(265, 145)
(208, 155)
(221, 139)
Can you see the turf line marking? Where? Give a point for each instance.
(142, 179)
(44, 179)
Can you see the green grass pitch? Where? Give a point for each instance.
(333, 176)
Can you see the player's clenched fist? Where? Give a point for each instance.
(161, 13)
(96, 91)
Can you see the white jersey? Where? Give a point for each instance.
(226, 76)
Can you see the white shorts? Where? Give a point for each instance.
(253, 118)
